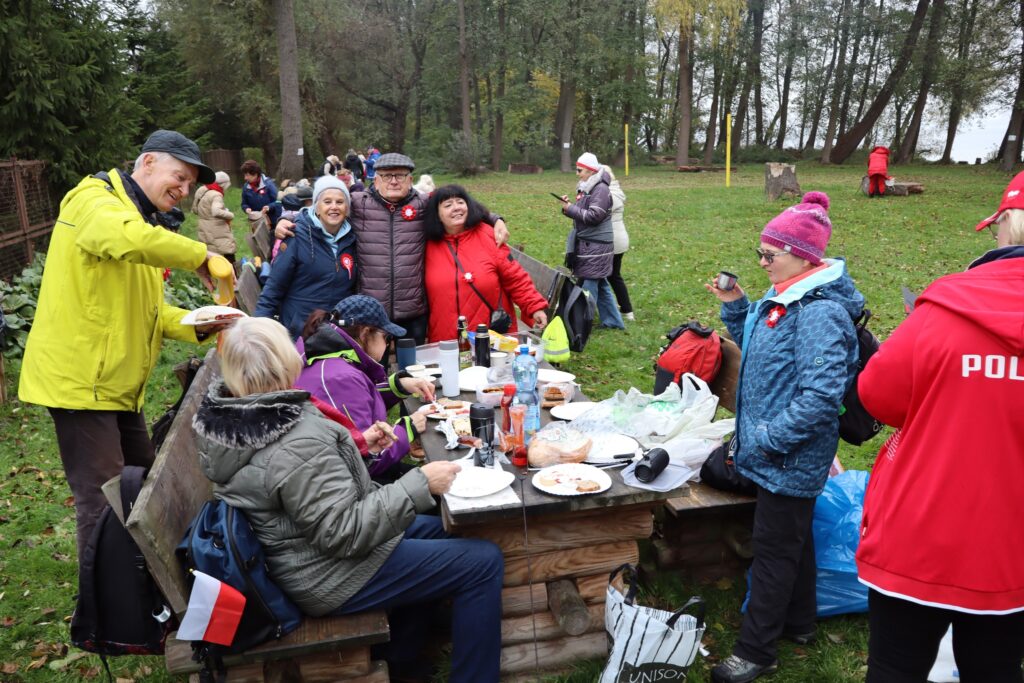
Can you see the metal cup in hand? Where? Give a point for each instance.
(651, 465)
(481, 423)
(725, 281)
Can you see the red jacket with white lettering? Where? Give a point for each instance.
(944, 511)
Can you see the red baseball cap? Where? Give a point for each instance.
(1013, 198)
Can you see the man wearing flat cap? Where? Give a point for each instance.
(389, 224)
(102, 318)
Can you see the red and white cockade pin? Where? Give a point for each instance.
(775, 315)
(347, 263)
(409, 213)
(469, 277)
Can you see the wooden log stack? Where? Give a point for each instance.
(556, 581)
(898, 189)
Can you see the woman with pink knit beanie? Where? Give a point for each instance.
(799, 358)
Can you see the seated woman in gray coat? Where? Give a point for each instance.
(335, 542)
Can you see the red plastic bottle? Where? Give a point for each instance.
(507, 397)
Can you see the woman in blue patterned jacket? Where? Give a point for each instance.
(799, 358)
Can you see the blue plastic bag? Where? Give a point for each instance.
(837, 515)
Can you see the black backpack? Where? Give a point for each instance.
(578, 313)
(856, 424)
(120, 611)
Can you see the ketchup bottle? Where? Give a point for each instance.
(506, 402)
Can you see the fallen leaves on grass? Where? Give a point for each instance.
(61, 664)
(9, 668)
(723, 584)
(834, 637)
(7, 622)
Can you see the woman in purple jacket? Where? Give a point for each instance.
(341, 351)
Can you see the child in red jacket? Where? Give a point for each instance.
(878, 171)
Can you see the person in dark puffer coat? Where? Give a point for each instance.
(335, 542)
(799, 357)
(591, 239)
(315, 268)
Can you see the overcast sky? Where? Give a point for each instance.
(978, 136)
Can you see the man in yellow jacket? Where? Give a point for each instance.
(102, 318)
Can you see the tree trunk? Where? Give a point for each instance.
(872, 67)
(291, 107)
(709, 138)
(685, 112)
(837, 89)
(858, 35)
(467, 125)
(1011, 153)
(757, 11)
(629, 79)
(967, 17)
(823, 89)
(787, 80)
(847, 144)
(567, 110)
(498, 140)
(907, 149)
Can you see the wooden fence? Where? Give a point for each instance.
(27, 213)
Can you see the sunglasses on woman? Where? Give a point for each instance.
(769, 256)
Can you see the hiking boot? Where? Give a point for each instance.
(738, 670)
(629, 316)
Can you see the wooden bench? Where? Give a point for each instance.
(247, 294)
(547, 280)
(705, 532)
(325, 649)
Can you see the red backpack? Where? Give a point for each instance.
(691, 348)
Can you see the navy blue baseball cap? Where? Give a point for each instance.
(180, 147)
(360, 309)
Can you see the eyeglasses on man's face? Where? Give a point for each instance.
(769, 256)
(393, 177)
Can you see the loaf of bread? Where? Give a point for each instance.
(557, 444)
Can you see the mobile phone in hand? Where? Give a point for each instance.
(557, 196)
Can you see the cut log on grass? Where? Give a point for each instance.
(521, 629)
(701, 169)
(897, 189)
(568, 563)
(568, 608)
(552, 654)
(780, 181)
(524, 169)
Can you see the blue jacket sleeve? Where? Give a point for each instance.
(734, 315)
(826, 335)
(281, 274)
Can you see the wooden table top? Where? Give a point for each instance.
(537, 502)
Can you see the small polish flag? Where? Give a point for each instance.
(214, 610)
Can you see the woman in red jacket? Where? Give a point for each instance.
(878, 171)
(944, 511)
(467, 273)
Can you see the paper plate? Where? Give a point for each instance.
(547, 375)
(472, 378)
(607, 446)
(474, 482)
(568, 479)
(570, 411)
(192, 317)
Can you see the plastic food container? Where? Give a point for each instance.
(490, 394)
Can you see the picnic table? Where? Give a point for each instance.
(560, 549)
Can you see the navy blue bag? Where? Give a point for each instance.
(221, 543)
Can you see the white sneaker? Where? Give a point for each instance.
(629, 316)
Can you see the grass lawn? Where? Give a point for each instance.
(683, 229)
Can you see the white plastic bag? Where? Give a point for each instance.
(648, 644)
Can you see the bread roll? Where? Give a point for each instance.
(555, 445)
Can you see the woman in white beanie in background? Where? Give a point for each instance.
(589, 249)
(620, 245)
(316, 266)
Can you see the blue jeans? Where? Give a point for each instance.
(425, 567)
(607, 308)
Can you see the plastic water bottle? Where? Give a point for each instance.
(524, 370)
